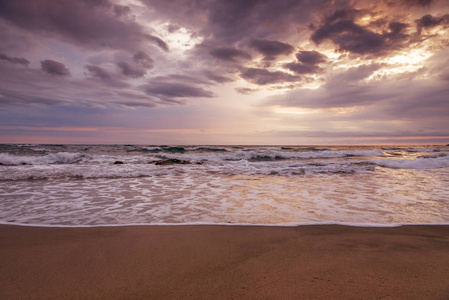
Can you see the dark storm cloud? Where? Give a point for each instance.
(99, 72)
(176, 90)
(271, 49)
(351, 37)
(130, 70)
(343, 14)
(143, 59)
(53, 67)
(15, 60)
(90, 24)
(308, 62)
(229, 54)
(310, 57)
(428, 21)
(341, 29)
(157, 41)
(264, 77)
(412, 2)
(299, 68)
(231, 21)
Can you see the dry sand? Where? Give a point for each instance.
(224, 262)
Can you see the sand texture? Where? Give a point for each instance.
(224, 262)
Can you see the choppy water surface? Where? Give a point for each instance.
(79, 185)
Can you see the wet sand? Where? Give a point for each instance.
(224, 262)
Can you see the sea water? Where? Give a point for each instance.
(108, 185)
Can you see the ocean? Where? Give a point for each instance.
(110, 185)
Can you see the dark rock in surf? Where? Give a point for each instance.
(206, 149)
(118, 162)
(174, 149)
(171, 161)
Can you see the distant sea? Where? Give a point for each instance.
(109, 185)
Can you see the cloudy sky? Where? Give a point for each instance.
(224, 72)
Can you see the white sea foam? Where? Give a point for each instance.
(386, 197)
(268, 148)
(273, 155)
(151, 148)
(53, 158)
(222, 185)
(77, 165)
(421, 150)
(421, 163)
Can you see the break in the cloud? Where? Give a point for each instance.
(290, 70)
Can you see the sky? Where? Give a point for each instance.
(264, 72)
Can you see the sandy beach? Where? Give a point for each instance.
(224, 262)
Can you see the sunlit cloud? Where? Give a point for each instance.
(224, 71)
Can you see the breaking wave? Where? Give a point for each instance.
(53, 158)
(165, 160)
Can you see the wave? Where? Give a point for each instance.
(421, 150)
(53, 158)
(410, 149)
(178, 149)
(252, 155)
(243, 162)
(421, 163)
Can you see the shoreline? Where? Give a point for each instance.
(280, 225)
(224, 262)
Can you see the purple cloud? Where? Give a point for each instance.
(83, 23)
(15, 60)
(176, 90)
(310, 57)
(264, 77)
(229, 54)
(342, 29)
(130, 70)
(53, 67)
(271, 49)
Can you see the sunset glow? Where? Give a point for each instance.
(223, 71)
